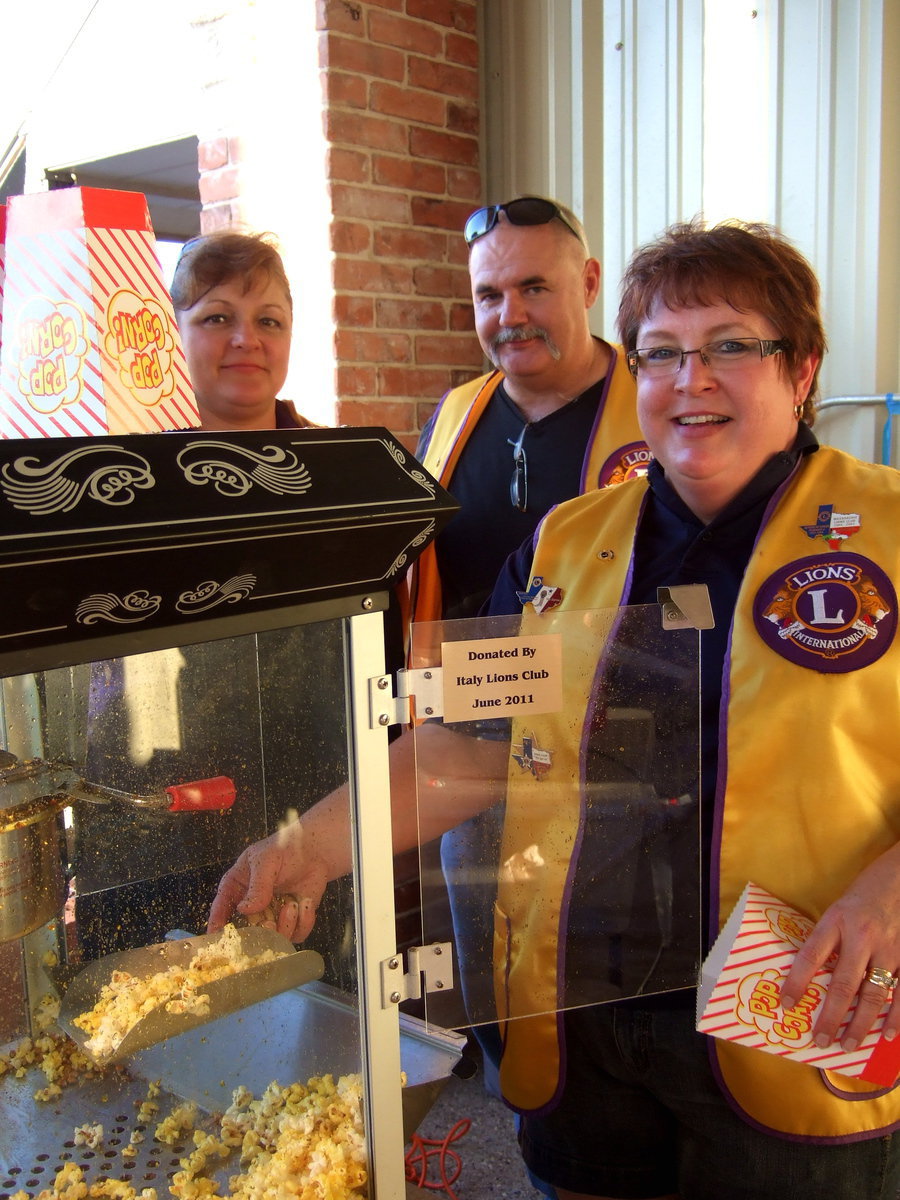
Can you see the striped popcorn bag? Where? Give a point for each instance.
(90, 345)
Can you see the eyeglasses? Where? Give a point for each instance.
(720, 356)
(518, 486)
(527, 210)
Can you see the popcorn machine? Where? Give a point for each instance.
(190, 625)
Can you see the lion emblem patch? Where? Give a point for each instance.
(832, 614)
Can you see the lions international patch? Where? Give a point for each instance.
(625, 463)
(829, 613)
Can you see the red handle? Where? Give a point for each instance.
(201, 795)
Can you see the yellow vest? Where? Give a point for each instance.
(809, 789)
(617, 450)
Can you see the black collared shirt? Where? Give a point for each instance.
(472, 548)
(673, 546)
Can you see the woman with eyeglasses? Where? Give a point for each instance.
(234, 310)
(799, 777)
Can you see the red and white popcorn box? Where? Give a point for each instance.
(738, 997)
(90, 345)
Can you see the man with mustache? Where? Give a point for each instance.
(555, 417)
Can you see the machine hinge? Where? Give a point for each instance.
(423, 685)
(434, 963)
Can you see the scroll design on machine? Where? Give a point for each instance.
(209, 594)
(415, 473)
(107, 473)
(233, 470)
(400, 561)
(120, 610)
(139, 604)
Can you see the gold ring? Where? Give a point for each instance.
(882, 978)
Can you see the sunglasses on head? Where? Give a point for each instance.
(189, 245)
(527, 210)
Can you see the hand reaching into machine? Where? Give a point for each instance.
(438, 779)
(277, 883)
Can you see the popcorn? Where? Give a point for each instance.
(57, 1056)
(295, 1142)
(69, 1184)
(46, 1012)
(89, 1135)
(174, 1125)
(127, 998)
(148, 1109)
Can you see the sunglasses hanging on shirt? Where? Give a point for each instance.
(518, 486)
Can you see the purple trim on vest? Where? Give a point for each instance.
(601, 405)
(423, 447)
(508, 959)
(840, 1140)
(845, 1095)
(537, 533)
(566, 901)
(719, 802)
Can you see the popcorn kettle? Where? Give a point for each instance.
(34, 795)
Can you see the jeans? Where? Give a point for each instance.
(643, 1116)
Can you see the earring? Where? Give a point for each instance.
(798, 410)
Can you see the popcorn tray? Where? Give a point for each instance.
(227, 995)
(308, 1031)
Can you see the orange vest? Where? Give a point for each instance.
(616, 449)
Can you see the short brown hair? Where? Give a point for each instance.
(217, 258)
(751, 266)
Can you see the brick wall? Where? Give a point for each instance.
(400, 112)
(400, 88)
(220, 183)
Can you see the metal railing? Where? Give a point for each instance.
(889, 400)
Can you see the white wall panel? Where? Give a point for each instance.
(652, 128)
(785, 111)
(618, 132)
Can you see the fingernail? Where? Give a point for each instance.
(849, 1044)
(889, 1034)
(787, 1002)
(822, 1041)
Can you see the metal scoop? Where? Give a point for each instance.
(227, 995)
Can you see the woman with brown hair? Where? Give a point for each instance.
(234, 309)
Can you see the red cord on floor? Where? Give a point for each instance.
(422, 1153)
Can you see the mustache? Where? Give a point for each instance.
(525, 333)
